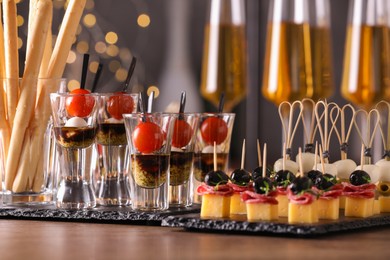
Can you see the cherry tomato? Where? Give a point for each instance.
(148, 137)
(182, 133)
(79, 105)
(120, 104)
(214, 129)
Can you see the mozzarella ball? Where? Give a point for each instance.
(308, 161)
(329, 168)
(384, 167)
(345, 168)
(373, 170)
(290, 165)
(76, 122)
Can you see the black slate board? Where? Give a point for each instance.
(239, 225)
(114, 215)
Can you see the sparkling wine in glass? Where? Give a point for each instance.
(366, 75)
(298, 55)
(224, 65)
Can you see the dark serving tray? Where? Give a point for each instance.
(119, 215)
(239, 225)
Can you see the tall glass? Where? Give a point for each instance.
(33, 184)
(366, 75)
(298, 55)
(224, 65)
(74, 120)
(149, 137)
(213, 127)
(113, 187)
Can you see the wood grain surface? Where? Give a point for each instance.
(24, 239)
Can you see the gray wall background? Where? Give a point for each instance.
(256, 118)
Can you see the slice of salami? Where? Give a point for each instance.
(335, 192)
(222, 190)
(253, 197)
(365, 191)
(281, 190)
(238, 188)
(302, 199)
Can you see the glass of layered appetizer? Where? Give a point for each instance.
(149, 136)
(113, 187)
(213, 128)
(74, 120)
(182, 158)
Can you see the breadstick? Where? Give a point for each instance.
(2, 58)
(3, 118)
(28, 93)
(4, 126)
(31, 15)
(46, 58)
(11, 56)
(55, 70)
(65, 38)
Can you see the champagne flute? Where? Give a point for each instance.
(366, 75)
(298, 51)
(224, 65)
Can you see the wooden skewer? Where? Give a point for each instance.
(264, 173)
(300, 162)
(322, 161)
(315, 155)
(243, 155)
(258, 153)
(215, 157)
(284, 157)
(362, 157)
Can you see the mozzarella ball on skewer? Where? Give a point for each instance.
(384, 168)
(308, 161)
(345, 168)
(373, 170)
(290, 165)
(329, 168)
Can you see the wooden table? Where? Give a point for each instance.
(23, 239)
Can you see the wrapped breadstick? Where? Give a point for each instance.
(26, 102)
(11, 56)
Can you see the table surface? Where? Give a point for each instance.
(27, 239)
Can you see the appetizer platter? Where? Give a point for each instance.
(238, 224)
(294, 200)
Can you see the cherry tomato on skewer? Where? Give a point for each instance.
(182, 133)
(120, 104)
(79, 105)
(148, 137)
(214, 129)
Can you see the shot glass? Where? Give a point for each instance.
(74, 121)
(149, 137)
(213, 128)
(113, 187)
(182, 160)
